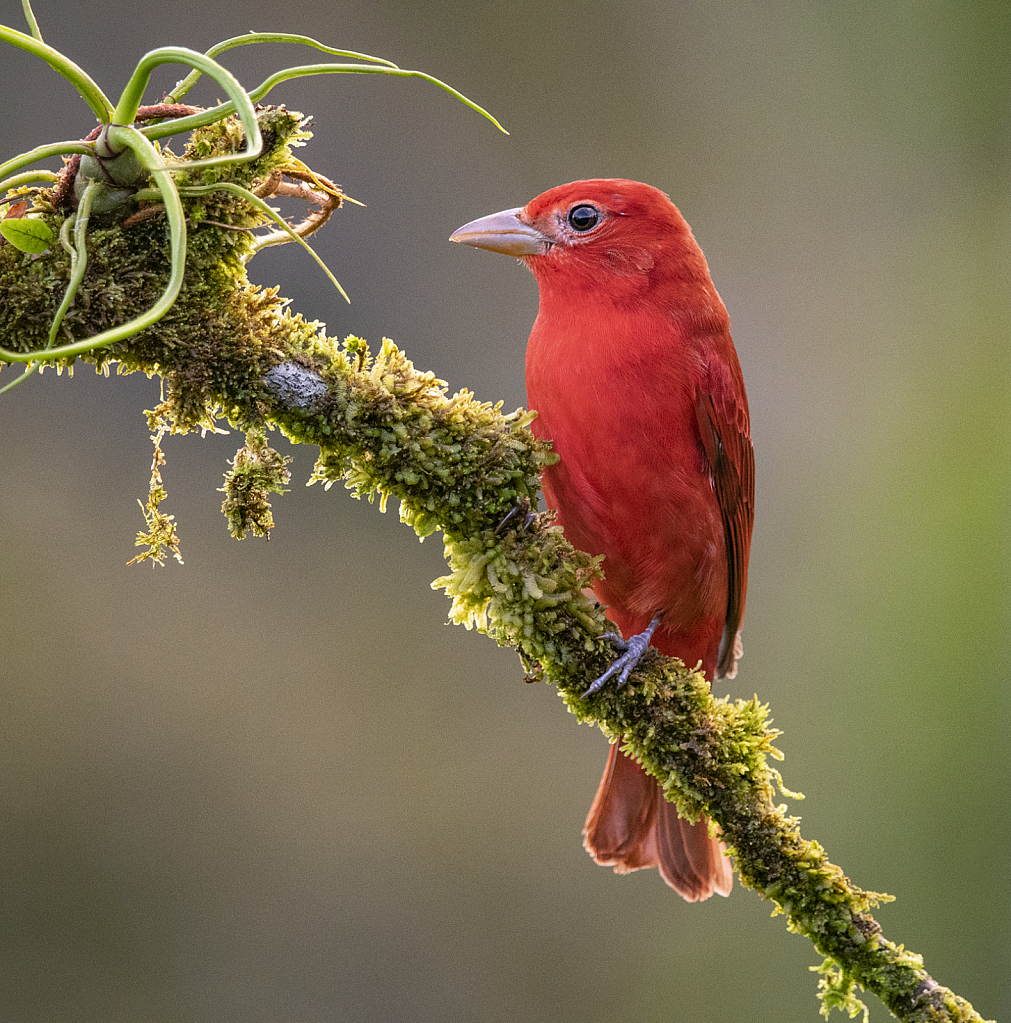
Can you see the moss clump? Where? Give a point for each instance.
(257, 472)
(384, 428)
(161, 536)
(523, 587)
(220, 337)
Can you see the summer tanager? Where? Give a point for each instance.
(636, 382)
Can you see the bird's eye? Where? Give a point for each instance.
(583, 217)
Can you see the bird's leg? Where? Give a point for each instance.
(521, 507)
(634, 648)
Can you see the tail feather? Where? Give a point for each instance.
(632, 826)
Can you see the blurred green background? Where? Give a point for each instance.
(272, 784)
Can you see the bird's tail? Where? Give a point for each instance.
(631, 826)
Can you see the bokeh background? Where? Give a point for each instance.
(273, 784)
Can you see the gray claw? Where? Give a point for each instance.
(634, 648)
(522, 507)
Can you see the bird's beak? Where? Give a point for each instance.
(503, 232)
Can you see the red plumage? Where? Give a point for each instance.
(634, 376)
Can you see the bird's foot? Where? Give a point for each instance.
(634, 647)
(523, 511)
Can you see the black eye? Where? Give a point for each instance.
(583, 217)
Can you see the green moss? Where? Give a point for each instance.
(454, 463)
(161, 537)
(257, 472)
(221, 336)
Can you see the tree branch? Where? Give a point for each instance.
(384, 428)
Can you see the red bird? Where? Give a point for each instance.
(636, 382)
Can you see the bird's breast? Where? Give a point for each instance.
(632, 483)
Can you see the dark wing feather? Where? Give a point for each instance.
(726, 440)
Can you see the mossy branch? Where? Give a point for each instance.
(386, 429)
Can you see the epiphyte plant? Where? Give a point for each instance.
(119, 170)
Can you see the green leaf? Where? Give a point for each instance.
(27, 235)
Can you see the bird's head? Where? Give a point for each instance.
(596, 231)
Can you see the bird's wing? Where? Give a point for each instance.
(726, 439)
